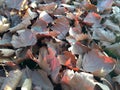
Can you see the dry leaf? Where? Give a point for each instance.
(92, 18)
(40, 78)
(4, 25)
(11, 82)
(23, 25)
(117, 68)
(97, 63)
(27, 85)
(61, 24)
(24, 38)
(114, 48)
(79, 48)
(101, 34)
(39, 27)
(45, 17)
(104, 5)
(81, 81)
(16, 4)
(116, 79)
(6, 52)
(6, 39)
(50, 7)
(112, 26)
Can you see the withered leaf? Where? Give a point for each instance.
(97, 63)
(24, 38)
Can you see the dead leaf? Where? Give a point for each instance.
(92, 18)
(112, 26)
(79, 48)
(97, 63)
(6, 39)
(11, 82)
(6, 52)
(61, 24)
(45, 17)
(16, 4)
(116, 79)
(40, 78)
(81, 81)
(101, 34)
(24, 38)
(23, 25)
(104, 5)
(4, 24)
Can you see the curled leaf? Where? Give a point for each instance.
(81, 81)
(97, 63)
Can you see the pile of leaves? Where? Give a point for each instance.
(59, 44)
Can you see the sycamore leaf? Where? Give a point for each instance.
(81, 81)
(24, 38)
(97, 63)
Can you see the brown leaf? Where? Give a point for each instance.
(81, 81)
(16, 4)
(104, 5)
(92, 18)
(97, 63)
(25, 38)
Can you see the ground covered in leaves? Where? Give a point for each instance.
(59, 44)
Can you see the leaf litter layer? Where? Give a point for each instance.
(59, 44)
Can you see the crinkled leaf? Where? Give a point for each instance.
(101, 34)
(24, 38)
(80, 81)
(97, 63)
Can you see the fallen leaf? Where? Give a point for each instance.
(81, 81)
(16, 4)
(112, 26)
(101, 34)
(25, 38)
(92, 19)
(4, 52)
(4, 24)
(45, 17)
(104, 5)
(116, 79)
(97, 63)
